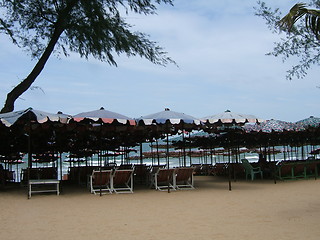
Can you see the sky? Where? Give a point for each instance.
(220, 48)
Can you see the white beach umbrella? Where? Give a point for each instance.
(168, 116)
(105, 116)
(10, 118)
(228, 117)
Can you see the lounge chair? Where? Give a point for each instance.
(162, 179)
(183, 178)
(122, 181)
(140, 173)
(197, 168)
(125, 166)
(100, 181)
(152, 170)
(249, 170)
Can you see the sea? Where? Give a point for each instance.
(278, 154)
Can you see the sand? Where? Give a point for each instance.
(252, 210)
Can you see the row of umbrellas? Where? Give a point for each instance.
(21, 124)
(251, 123)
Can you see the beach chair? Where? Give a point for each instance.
(220, 169)
(152, 170)
(162, 179)
(183, 178)
(100, 181)
(285, 170)
(249, 170)
(197, 168)
(122, 181)
(312, 168)
(299, 169)
(140, 173)
(125, 166)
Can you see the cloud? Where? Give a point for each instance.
(220, 48)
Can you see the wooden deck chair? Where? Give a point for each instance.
(152, 170)
(162, 179)
(100, 181)
(122, 181)
(249, 170)
(183, 178)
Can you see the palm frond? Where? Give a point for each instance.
(295, 13)
(299, 10)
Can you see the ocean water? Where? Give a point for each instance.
(283, 154)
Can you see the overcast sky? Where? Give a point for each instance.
(220, 48)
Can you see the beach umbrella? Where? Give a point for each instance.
(170, 121)
(168, 116)
(105, 116)
(228, 121)
(30, 114)
(272, 125)
(310, 122)
(29, 128)
(103, 130)
(311, 126)
(228, 117)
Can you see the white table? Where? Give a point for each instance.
(43, 182)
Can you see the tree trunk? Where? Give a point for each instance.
(23, 86)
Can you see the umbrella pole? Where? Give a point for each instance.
(190, 149)
(60, 162)
(141, 158)
(229, 169)
(184, 149)
(167, 155)
(29, 155)
(168, 161)
(151, 150)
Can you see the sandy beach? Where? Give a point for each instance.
(252, 210)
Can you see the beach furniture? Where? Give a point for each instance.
(183, 178)
(220, 169)
(162, 179)
(197, 168)
(289, 170)
(122, 181)
(43, 182)
(125, 166)
(100, 181)
(140, 173)
(250, 170)
(206, 169)
(152, 170)
(299, 169)
(312, 168)
(285, 170)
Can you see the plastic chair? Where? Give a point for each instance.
(249, 170)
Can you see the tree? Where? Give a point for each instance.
(299, 10)
(90, 28)
(299, 38)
